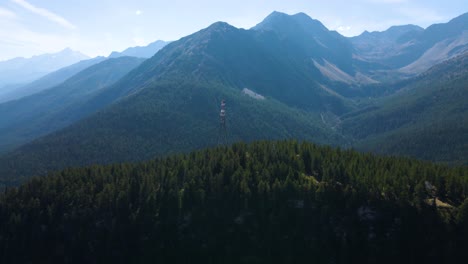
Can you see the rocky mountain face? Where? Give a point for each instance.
(411, 49)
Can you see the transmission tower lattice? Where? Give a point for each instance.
(222, 136)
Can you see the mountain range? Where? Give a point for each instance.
(287, 77)
(61, 105)
(18, 90)
(411, 49)
(141, 51)
(48, 81)
(24, 70)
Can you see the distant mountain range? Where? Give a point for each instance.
(48, 81)
(54, 108)
(24, 70)
(411, 49)
(17, 89)
(302, 80)
(141, 52)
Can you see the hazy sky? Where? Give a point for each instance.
(97, 27)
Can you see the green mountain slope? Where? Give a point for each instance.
(167, 118)
(259, 60)
(170, 103)
(39, 114)
(427, 118)
(267, 202)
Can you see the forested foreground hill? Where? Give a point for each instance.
(266, 202)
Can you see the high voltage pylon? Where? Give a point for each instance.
(222, 134)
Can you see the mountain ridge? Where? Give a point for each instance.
(48, 81)
(179, 89)
(51, 109)
(23, 70)
(147, 51)
(409, 53)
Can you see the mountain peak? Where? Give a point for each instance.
(281, 14)
(395, 31)
(302, 15)
(158, 42)
(220, 26)
(269, 21)
(278, 21)
(276, 14)
(408, 27)
(141, 51)
(68, 52)
(216, 28)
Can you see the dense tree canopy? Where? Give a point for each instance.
(280, 202)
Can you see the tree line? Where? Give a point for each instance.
(264, 202)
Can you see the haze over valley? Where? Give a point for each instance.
(285, 142)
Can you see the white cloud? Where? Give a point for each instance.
(5, 13)
(343, 28)
(138, 12)
(45, 13)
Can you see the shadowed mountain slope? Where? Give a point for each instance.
(32, 116)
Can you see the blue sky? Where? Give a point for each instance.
(97, 27)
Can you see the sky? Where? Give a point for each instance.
(98, 27)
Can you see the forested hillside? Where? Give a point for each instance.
(266, 202)
(310, 86)
(166, 119)
(170, 103)
(426, 118)
(56, 107)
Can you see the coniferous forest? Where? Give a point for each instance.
(264, 202)
(197, 148)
